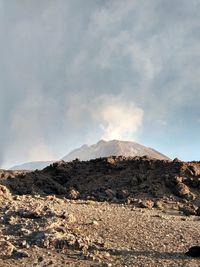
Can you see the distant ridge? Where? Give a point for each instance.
(32, 165)
(101, 149)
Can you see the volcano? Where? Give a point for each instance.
(101, 149)
(113, 148)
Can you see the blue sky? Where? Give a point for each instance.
(75, 71)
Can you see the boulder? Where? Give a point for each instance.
(5, 195)
(147, 204)
(182, 190)
(189, 210)
(110, 193)
(122, 194)
(73, 193)
(6, 248)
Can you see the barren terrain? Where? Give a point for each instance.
(112, 211)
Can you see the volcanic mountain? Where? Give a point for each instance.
(101, 149)
(113, 148)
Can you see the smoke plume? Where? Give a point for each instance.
(119, 119)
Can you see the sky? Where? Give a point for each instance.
(74, 72)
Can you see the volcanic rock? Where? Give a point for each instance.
(116, 178)
(182, 189)
(73, 193)
(189, 210)
(147, 204)
(6, 248)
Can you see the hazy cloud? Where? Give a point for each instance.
(59, 59)
(118, 119)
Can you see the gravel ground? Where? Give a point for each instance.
(111, 234)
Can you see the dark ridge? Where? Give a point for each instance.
(116, 179)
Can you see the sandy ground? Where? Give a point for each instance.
(50, 231)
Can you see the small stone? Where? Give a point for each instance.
(51, 197)
(122, 194)
(70, 218)
(73, 193)
(95, 223)
(189, 210)
(6, 248)
(182, 189)
(4, 192)
(159, 205)
(183, 219)
(147, 204)
(22, 254)
(110, 193)
(178, 179)
(24, 243)
(107, 254)
(40, 259)
(131, 200)
(25, 231)
(17, 197)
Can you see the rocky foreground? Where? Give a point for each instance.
(112, 211)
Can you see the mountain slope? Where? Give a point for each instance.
(114, 148)
(32, 165)
(100, 149)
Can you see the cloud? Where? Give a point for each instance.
(162, 122)
(40, 152)
(118, 118)
(26, 138)
(62, 61)
(107, 116)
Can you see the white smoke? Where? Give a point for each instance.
(119, 119)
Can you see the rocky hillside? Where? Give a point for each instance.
(116, 179)
(112, 211)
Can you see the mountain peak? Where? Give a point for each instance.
(101, 149)
(114, 148)
(102, 141)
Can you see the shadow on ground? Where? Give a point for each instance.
(152, 254)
